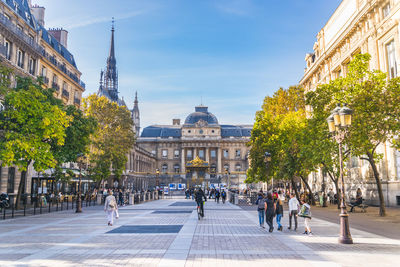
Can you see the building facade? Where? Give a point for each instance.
(220, 150)
(359, 26)
(30, 50)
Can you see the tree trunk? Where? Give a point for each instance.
(382, 208)
(21, 186)
(309, 189)
(295, 188)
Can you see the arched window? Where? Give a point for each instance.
(164, 168)
(177, 168)
(238, 167)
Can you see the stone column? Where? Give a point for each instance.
(219, 157)
(194, 152)
(207, 156)
(183, 155)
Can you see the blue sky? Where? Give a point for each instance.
(227, 54)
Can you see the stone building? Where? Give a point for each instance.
(32, 51)
(200, 141)
(360, 26)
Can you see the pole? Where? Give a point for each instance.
(345, 236)
(79, 199)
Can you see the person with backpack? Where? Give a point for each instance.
(260, 202)
(270, 207)
(305, 212)
(217, 196)
(223, 196)
(279, 213)
(110, 206)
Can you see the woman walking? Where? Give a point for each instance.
(270, 207)
(261, 209)
(279, 213)
(305, 212)
(110, 206)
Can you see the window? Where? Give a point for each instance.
(391, 58)
(176, 153)
(201, 153)
(10, 180)
(65, 86)
(19, 27)
(44, 71)
(189, 154)
(55, 79)
(226, 153)
(237, 153)
(177, 168)
(32, 65)
(238, 168)
(164, 168)
(8, 50)
(386, 10)
(20, 58)
(31, 38)
(213, 154)
(164, 153)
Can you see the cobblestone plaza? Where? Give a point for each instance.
(168, 233)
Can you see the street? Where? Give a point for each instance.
(168, 233)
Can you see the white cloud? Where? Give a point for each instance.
(235, 7)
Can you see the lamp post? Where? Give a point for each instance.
(267, 160)
(157, 177)
(80, 158)
(338, 123)
(227, 173)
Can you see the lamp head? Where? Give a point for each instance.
(331, 123)
(345, 116)
(336, 116)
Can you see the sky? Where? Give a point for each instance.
(225, 54)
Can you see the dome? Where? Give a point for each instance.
(201, 113)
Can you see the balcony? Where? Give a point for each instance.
(55, 86)
(77, 101)
(11, 27)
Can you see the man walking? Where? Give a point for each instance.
(294, 207)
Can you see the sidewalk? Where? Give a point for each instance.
(168, 233)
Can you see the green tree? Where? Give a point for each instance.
(29, 124)
(113, 138)
(374, 100)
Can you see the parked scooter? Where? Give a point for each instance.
(4, 201)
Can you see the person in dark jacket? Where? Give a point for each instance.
(260, 202)
(270, 207)
(199, 196)
(217, 195)
(279, 213)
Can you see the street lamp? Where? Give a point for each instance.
(80, 158)
(338, 124)
(227, 173)
(157, 176)
(267, 160)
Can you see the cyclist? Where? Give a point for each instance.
(199, 195)
(223, 195)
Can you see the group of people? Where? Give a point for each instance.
(271, 205)
(216, 194)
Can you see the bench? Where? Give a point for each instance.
(362, 206)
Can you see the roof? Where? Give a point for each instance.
(201, 113)
(21, 7)
(236, 130)
(56, 45)
(162, 131)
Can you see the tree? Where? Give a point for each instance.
(29, 124)
(374, 101)
(113, 138)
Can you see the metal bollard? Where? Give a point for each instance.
(67, 203)
(12, 210)
(57, 204)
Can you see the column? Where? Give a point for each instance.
(219, 156)
(183, 155)
(207, 157)
(194, 152)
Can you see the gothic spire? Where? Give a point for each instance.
(112, 53)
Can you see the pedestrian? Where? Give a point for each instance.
(305, 212)
(331, 196)
(120, 198)
(223, 196)
(110, 206)
(294, 207)
(270, 207)
(217, 195)
(260, 202)
(279, 213)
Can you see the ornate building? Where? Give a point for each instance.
(198, 151)
(32, 51)
(359, 26)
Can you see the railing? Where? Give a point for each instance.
(65, 93)
(21, 35)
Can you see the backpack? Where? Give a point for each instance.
(305, 212)
(261, 204)
(112, 204)
(223, 194)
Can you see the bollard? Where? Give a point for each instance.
(41, 205)
(4, 213)
(34, 208)
(24, 209)
(12, 210)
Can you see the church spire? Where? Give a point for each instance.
(136, 115)
(112, 53)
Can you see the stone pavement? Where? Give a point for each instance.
(168, 233)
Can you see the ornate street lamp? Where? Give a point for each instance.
(338, 123)
(267, 160)
(157, 177)
(227, 173)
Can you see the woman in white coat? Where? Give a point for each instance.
(110, 206)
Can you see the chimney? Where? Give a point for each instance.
(176, 122)
(61, 35)
(38, 13)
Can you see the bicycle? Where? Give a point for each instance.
(200, 214)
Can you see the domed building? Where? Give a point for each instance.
(198, 151)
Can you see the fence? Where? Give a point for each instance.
(43, 205)
(243, 200)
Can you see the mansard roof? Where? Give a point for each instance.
(21, 7)
(162, 131)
